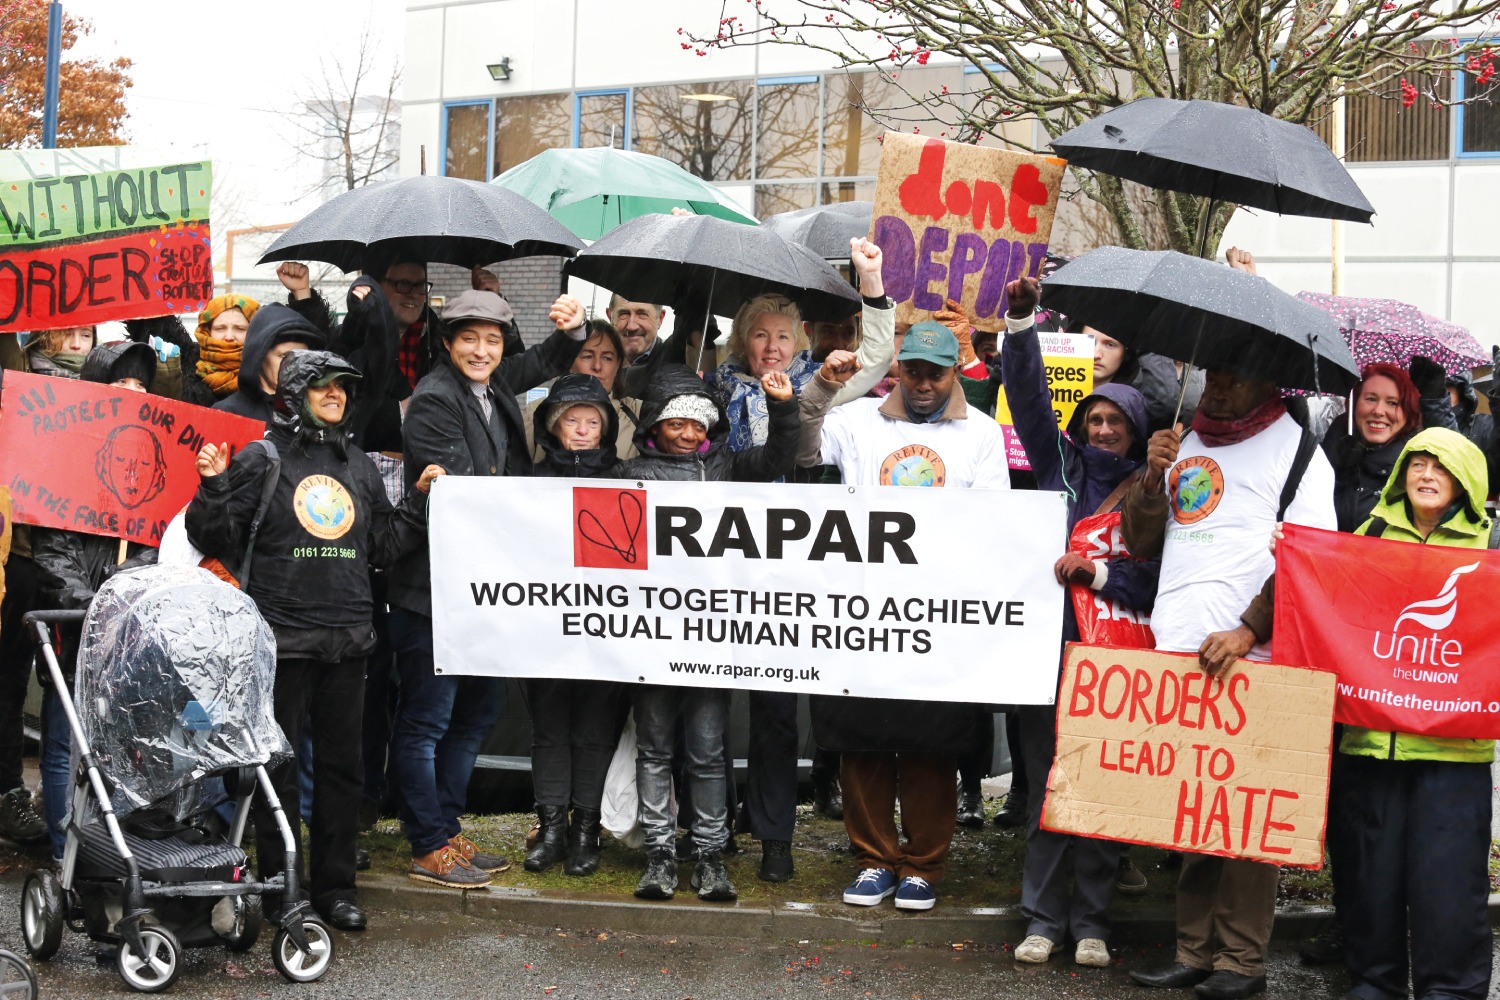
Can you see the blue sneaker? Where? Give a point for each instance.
(872, 885)
(915, 894)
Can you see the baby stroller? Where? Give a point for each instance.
(175, 676)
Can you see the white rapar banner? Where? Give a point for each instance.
(891, 592)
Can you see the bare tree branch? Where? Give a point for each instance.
(1063, 62)
(352, 117)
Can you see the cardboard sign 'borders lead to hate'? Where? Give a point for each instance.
(104, 461)
(1151, 750)
(960, 222)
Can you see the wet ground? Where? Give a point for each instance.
(452, 956)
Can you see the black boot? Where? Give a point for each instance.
(583, 843)
(551, 845)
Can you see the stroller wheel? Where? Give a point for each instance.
(156, 967)
(297, 965)
(243, 916)
(42, 914)
(17, 981)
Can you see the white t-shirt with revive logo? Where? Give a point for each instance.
(872, 449)
(1222, 511)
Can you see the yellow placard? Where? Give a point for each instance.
(1068, 359)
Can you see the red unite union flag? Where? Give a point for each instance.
(609, 528)
(1413, 631)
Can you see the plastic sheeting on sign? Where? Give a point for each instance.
(176, 671)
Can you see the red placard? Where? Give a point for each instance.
(1412, 630)
(105, 461)
(1103, 622)
(150, 273)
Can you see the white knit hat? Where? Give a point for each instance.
(690, 406)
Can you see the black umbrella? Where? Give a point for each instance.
(677, 258)
(1205, 314)
(1218, 151)
(442, 220)
(826, 229)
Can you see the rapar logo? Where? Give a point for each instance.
(609, 528)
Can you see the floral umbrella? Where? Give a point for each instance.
(1388, 330)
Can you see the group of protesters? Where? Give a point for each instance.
(396, 394)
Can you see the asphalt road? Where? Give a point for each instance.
(459, 957)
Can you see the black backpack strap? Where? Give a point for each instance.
(267, 490)
(1305, 448)
(1377, 527)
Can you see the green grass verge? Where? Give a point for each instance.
(984, 868)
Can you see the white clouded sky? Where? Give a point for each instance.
(226, 74)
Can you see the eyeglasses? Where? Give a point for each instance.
(403, 287)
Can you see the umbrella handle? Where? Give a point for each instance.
(1207, 221)
(1187, 372)
(707, 315)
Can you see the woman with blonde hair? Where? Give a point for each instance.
(767, 336)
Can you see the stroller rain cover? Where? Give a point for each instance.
(176, 671)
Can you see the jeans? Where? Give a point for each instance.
(441, 721)
(1066, 881)
(57, 789)
(575, 726)
(16, 654)
(380, 698)
(329, 697)
(1414, 849)
(771, 784)
(974, 765)
(705, 715)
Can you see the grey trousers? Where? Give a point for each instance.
(705, 714)
(1051, 908)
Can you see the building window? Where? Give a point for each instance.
(1478, 122)
(851, 137)
(773, 199)
(1378, 128)
(603, 119)
(837, 191)
(466, 140)
(702, 127)
(524, 126)
(786, 131)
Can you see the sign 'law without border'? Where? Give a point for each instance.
(836, 590)
(101, 233)
(1151, 750)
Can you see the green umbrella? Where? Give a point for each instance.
(591, 191)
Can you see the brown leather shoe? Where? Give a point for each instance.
(476, 858)
(447, 868)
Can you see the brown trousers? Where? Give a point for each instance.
(929, 809)
(1225, 907)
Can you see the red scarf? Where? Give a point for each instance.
(1218, 433)
(409, 352)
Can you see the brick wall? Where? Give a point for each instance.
(531, 284)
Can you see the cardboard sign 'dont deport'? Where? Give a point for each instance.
(1151, 750)
(959, 222)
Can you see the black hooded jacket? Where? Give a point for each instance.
(557, 460)
(273, 324)
(71, 566)
(370, 337)
(1360, 471)
(328, 522)
(446, 426)
(761, 464)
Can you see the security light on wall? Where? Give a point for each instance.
(501, 70)
(707, 98)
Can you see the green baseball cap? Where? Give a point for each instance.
(931, 341)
